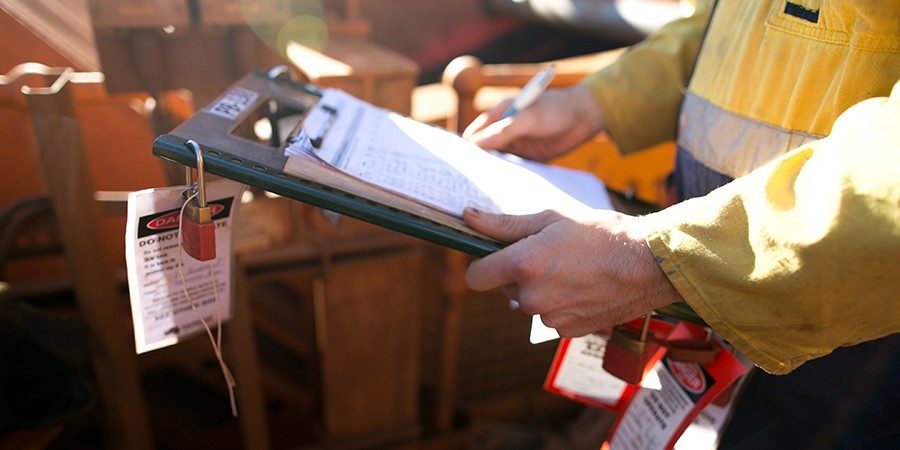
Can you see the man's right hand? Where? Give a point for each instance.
(559, 120)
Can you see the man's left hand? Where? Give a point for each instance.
(580, 274)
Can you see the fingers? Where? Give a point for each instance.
(509, 228)
(491, 131)
(486, 118)
(500, 135)
(511, 264)
(511, 291)
(568, 325)
(491, 272)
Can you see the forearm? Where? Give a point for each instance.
(802, 255)
(641, 92)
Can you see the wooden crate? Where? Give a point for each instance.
(360, 67)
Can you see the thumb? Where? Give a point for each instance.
(506, 227)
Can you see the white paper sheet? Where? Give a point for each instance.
(435, 166)
(581, 371)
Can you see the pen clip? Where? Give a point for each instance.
(332, 116)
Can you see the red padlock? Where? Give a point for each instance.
(199, 232)
(702, 352)
(198, 236)
(628, 352)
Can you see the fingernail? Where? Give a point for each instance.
(473, 211)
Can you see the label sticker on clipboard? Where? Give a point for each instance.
(233, 103)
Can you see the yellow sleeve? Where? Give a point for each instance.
(641, 92)
(803, 254)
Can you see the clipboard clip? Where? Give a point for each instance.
(316, 142)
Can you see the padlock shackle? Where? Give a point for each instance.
(201, 184)
(645, 328)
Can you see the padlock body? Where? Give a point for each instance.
(626, 355)
(702, 352)
(199, 240)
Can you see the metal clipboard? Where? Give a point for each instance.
(221, 130)
(228, 153)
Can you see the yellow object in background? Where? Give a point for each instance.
(640, 174)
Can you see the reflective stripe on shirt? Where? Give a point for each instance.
(731, 144)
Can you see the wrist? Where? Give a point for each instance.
(660, 290)
(586, 108)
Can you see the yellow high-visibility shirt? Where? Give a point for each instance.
(801, 253)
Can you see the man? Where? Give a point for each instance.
(789, 244)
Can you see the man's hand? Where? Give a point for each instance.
(580, 274)
(556, 122)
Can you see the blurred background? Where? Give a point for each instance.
(344, 335)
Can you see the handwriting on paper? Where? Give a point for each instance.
(430, 164)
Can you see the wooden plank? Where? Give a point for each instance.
(53, 32)
(65, 171)
(140, 13)
(370, 358)
(241, 345)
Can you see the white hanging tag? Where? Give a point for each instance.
(160, 311)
